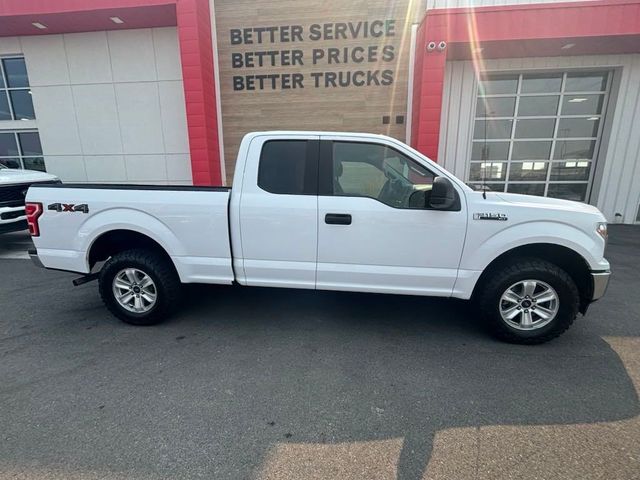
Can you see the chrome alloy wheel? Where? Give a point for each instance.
(529, 305)
(134, 290)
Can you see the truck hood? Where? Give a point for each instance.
(546, 202)
(10, 176)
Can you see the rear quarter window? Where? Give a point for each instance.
(287, 168)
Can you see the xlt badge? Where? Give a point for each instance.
(490, 216)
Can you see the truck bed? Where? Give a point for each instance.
(189, 222)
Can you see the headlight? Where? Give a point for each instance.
(601, 229)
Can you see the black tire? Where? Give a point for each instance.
(528, 269)
(159, 268)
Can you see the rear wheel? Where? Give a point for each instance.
(139, 286)
(529, 301)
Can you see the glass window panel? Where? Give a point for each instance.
(490, 151)
(538, 106)
(488, 171)
(8, 145)
(22, 104)
(571, 170)
(535, 128)
(490, 187)
(11, 162)
(582, 104)
(541, 83)
(497, 84)
(568, 191)
(528, 171)
(492, 129)
(34, 163)
(30, 143)
(16, 72)
(5, 113)
(574, 149)
(365, 170)
(531, 150)
(495, 106)
(578, 127)
(527, 188)
(283, 167)
(586, 82)
(2, 85)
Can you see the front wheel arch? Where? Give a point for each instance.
(565, 258)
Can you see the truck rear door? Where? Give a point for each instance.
(279, 212)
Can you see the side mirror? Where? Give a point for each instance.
(443, 194)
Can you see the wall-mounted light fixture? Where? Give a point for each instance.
(39, 25)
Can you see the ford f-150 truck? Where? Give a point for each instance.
(330, 211)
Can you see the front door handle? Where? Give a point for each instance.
(337, 219)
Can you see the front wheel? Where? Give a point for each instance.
(140, 287)
(530, 301)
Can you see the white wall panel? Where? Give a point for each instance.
(10, 45)
(459, 92)
(68, 168)
(146, 168)
(178, 168)
(174, 117)
(97, 118)
(167, 53)
(109, 106)
(88, 57)
(46, 60)
(619, 184)
(139, 114)
(55, 109)
(105, 168)
(132, 55)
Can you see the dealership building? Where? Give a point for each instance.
(536, 97)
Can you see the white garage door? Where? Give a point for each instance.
(539, 133)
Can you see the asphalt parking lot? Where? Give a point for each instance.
(284, 384)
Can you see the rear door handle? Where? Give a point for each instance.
(337, 219)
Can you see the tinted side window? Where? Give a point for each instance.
(288, 167)
(380, 172)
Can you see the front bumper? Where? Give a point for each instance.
(600, 284)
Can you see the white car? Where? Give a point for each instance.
(330, 211)
(14, 184)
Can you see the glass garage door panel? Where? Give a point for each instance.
(538, 133)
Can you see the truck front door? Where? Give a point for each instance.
(374, 231)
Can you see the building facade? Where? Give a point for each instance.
(541, 97)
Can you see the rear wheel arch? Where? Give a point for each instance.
(563, 257)
(116, 241)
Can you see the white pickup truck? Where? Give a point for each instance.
(329, 211)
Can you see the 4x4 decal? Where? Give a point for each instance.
(68, 207)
